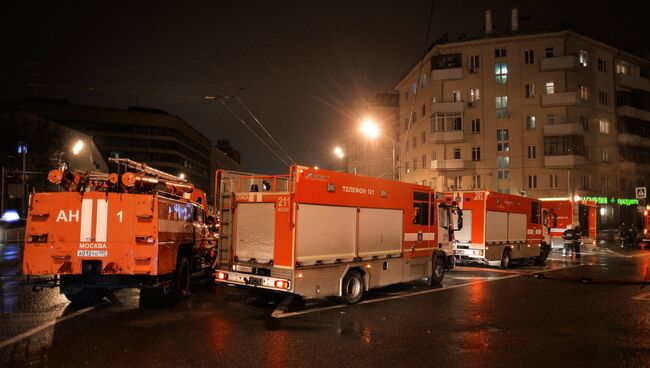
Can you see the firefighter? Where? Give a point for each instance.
(622, 233)
(568, 236)
(577, 240)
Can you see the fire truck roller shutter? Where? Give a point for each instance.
(380, 232)
(325, 233)
(496, 227)
(255, 231)
(517, 223)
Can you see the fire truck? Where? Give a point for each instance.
(561, 213)
(135, 228)
(319, 233)
(498, 228)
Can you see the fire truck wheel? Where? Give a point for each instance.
(506, 258)
(352, 287)
(438, 271)
(182, 278)
(544, 251)
(87, 296)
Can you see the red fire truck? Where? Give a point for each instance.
(498, 228)
(561, 213)
(135, 228)
(319, 233)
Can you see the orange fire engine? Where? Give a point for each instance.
(137, 228)
(561, 213)
(498, 228)
(319, 233)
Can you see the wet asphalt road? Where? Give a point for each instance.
(595, 313)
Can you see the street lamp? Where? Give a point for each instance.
(370, 129)
(78, 147)
(338, 151)
(182, 176)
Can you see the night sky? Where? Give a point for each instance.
(303, 67)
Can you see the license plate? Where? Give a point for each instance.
(240, 268)
(254, 281)
(459, 252)
(92, 253)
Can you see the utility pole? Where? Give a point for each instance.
(22, 148)
(2, 203)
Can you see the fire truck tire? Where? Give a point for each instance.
(506, 258)
(182, 279)
(438, 271)
(544, 252)
(87, 296)
(352, 290)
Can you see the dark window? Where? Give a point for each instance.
(421, 213)
(500, 53)
(446, 61)
(564, 145)
(420, 196)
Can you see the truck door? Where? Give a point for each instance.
(420, 220)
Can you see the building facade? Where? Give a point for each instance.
(544, 114)
(151, 136)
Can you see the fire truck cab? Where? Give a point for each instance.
(498, 228)
(319, 233)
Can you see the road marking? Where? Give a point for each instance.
(495, 270)
(277, 313)
(46, 325)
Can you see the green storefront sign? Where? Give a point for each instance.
(612, 200)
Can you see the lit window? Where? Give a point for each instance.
(604, 126)
(414, 88)
(604, 154)
(474, 94)
(503, 142)
(501, 73)
(550, 88)
(530, 122)
(622, 68)
(456, 95)
(584, 93)
(583, 58)
(476, 125)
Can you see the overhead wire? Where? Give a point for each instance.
(417, 83)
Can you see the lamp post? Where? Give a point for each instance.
(371, 130)
(22, 149)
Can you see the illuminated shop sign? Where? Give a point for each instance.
(612, 200)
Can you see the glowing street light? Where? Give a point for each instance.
(78, 147)
(370, 128)
(338, 151)
(182, 176)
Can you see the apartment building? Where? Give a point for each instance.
(540, 113)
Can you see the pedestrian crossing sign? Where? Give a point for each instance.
(640, 192)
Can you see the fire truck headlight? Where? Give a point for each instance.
(645, 231)
(222, 276)
(281, 284)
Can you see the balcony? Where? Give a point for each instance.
(446, 74)
(448, 136)
(632, 140)
(447, 107)
(454, 164)
(633, 82)
(560, 99)
(564, 129)
(633, 112)
(558, 63)
(563, 161)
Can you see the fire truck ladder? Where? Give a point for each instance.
(228, 186)
(148, 170)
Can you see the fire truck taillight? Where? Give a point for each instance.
(281, 284)
(39, 238)
(222, 276)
